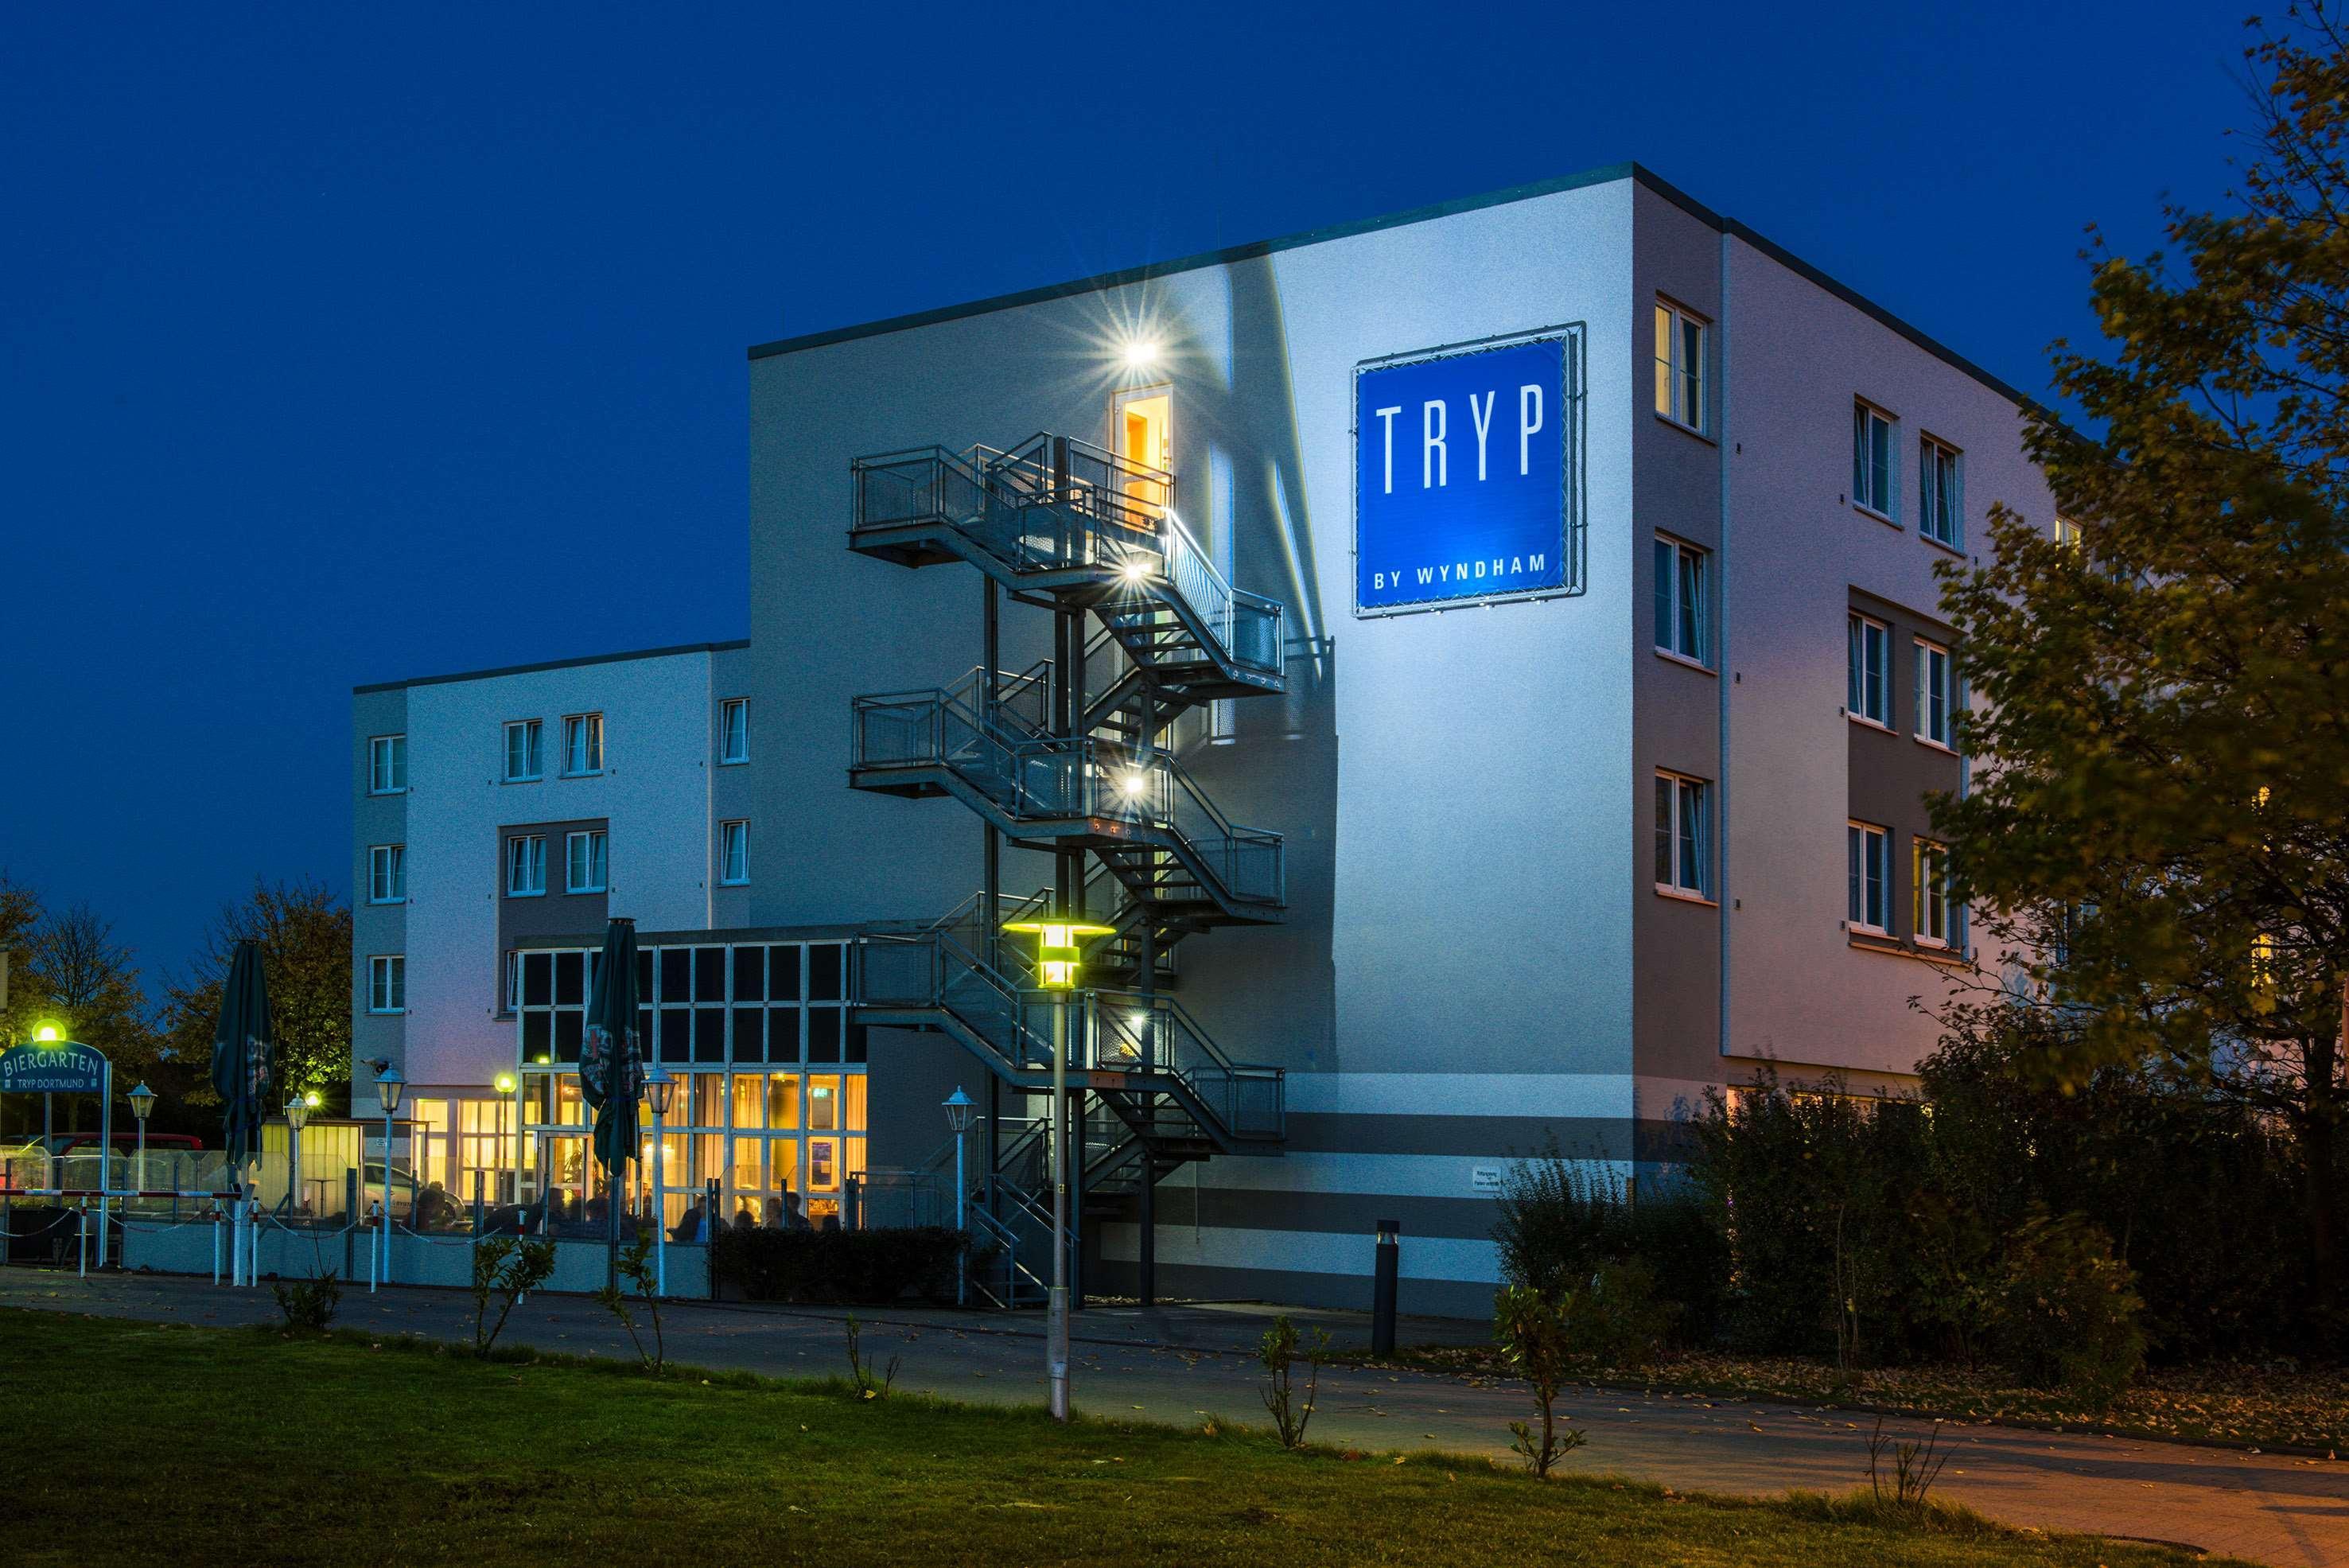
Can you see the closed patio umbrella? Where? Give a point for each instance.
(611, 1069)
(242, 1052)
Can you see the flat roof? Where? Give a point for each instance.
(1605, 176)
(551, 664)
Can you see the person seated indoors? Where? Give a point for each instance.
(688, 1227)
(744, 1218)
(794, 1217)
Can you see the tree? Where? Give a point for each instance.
(20, 916)
(2160, 829)
(305, 933)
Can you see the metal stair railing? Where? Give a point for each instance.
(1020, 1284)
(1246, 1100)
(1246, 624)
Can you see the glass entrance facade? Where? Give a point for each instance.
(770, 1082)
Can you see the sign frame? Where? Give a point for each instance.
(1572, 404)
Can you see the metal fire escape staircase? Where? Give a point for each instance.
(1068, 758)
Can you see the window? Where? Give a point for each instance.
(1930, 921)
(526, 866)
(2067, 533)
(1868, 676)
(1871, 460)
(1680, 366)
(583, 862)
(1681, 836)
(511, 988)
(1680, 598)
(733, 853)
(1870, 874)
(387, 873)
(387, 983)
(734, 730)
(1935, 691)
(1939, 499)
(388, 765)
(582, 744)
(526, 756)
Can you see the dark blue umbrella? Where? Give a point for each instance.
(611, 1063)
(241, 1053)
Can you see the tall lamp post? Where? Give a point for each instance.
(660, 1087)
(142, 1100)
(387, 1087)
(958, 1109)
(1057, 959)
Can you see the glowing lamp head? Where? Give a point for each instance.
(1136, 782)
(46, 1033)
(1057, 954)
(505, 1082)
(1141, 353)
(1136, 571)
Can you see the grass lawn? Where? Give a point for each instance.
(2260, 1407)
(176, 1445)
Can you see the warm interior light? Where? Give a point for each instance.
(1141, 353)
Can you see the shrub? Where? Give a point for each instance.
(504, 1270)
(854, 1266)
(1617, 1319)
(1278, 1353)
(2068, 1309)
(308, 1303)
(1563, 1222)
(1533, 1329)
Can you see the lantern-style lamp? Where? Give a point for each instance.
(1058, 952)
(142, 1100)
(659, 1090)
(387, 1087)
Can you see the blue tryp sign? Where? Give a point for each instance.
(1460, 480)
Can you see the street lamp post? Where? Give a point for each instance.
(387, 1085)
(297, 1116)
(142, 1100)
(658, 1089)
(1057, 959)
(510, 1088)
(958, 1109)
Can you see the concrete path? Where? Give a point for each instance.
(1181, 1365)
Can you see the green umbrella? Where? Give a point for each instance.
(611, 1061)
(242, 1048)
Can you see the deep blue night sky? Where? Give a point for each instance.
(348, 344)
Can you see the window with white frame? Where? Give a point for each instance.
(2066, 532)
(388, 765)
(1868, 675)
(1940, 500)
(525, 753)
(1679, 365)
(734, 730)
(1932, 920)
(1680, 598)
(1935, 693)
(387, 983)
(1681, 835)
(582, 744)
(584, 856)
(1869, 852)
(387, 873)
(733, 853)
(1872, 459)
(525, 865)
(509, 983)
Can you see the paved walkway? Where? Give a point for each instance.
(1180, 1365)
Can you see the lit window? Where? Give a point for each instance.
(387, 873)
(1868, 674)
(1871, 460)
(734, 730)
(526, 866)
(1680, 366)
(526, 755)
(733, 853)
(582, 744)
(584, 856)
(2067, 533)
(1680, 834)
(1680, 598)
(388, 765)
(1930, 922)
(387, 983)
(1870, 870)
(1935, 693)
(1940, 498)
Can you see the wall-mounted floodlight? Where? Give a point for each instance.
(1141, 353)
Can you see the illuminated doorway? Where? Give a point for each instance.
(1142, 429)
